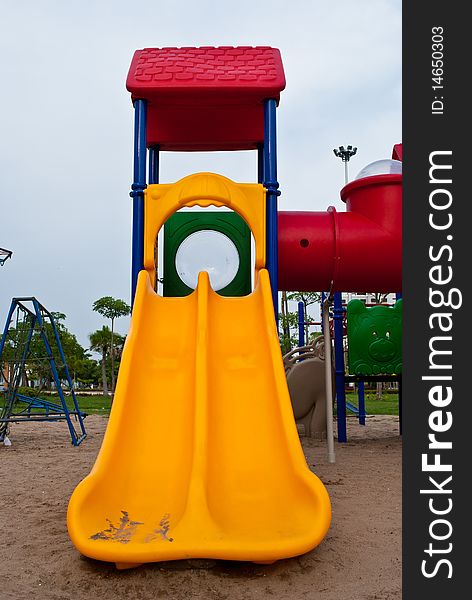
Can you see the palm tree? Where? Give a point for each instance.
(100, 341)
(111, 308)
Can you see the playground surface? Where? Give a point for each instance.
(360, 558)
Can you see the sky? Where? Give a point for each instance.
(66, 124)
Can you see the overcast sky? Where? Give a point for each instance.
(66, 124)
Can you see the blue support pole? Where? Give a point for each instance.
(137, 192)
(272, 187)
(338, 313)
(153, 164)
(25, 353)
(260, 163)
(361, 402)
(57, 380)
(7, 325)
(69, 380)
(301, 324)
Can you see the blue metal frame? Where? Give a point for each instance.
(272, 187)
(338, 314)
(361, 402)
(301, 324)
(7, 327)
(60, 412)
(153, 176)
(57, 380)
(52, 409)
(137, 191)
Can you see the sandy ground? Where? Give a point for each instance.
(360, 559)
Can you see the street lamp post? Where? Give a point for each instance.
(345, 155)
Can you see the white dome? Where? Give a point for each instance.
(210, 251)
(381, 167)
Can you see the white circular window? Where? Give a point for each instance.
(209, 251)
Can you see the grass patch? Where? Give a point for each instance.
(388, 405)
(101, 405)
(90, 404)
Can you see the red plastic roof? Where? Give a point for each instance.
(243, 70)
(207, 98)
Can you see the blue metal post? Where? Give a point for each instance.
(68, 378)
(7, 325)
(338, 314)
(361, 402)
(272, 187)
(153, 164)
(301, 324)
(137, 191)
(57, 381)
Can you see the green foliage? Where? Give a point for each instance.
(307, 298)
(111, 308)
(101, 342)
(82, 368)
(288, 321)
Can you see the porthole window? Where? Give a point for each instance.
(210, 251)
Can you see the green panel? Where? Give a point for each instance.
(374, 339)
(182, 224)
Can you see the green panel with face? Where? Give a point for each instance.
(218, 242)
(374, 339)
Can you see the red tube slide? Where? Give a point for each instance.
(359, 250)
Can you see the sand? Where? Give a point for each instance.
(360, 559)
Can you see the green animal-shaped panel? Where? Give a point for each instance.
(374, 339)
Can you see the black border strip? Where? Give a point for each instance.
(440, 128)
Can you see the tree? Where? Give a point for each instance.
(111, 308)
(37, 366)
(100, 341)
(287, 322)
(307, 298)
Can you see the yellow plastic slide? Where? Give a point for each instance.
(201, 457)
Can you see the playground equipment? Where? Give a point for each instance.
(374, 338)
(379, 374)
(305, 372)
(359, 249)
(213, 467)
(30, 342)
(374, 350)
